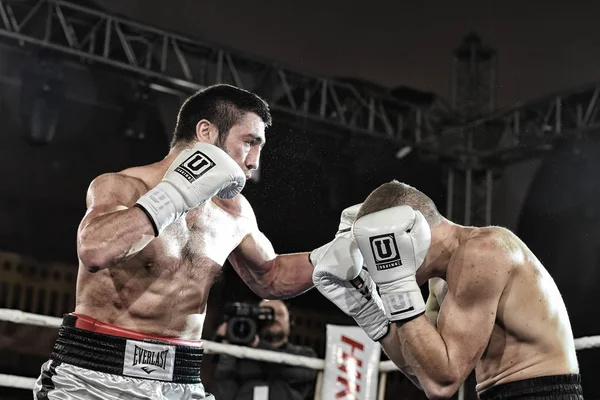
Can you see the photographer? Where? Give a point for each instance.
(240, 379)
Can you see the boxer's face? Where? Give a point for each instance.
(245, 141)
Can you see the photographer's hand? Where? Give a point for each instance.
(221, 334)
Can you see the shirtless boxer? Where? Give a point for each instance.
(150, 246)
(502, 314)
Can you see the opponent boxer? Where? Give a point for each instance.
(150, 246)
(502, 314)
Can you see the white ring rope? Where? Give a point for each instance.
(21, 317)
(17, 382)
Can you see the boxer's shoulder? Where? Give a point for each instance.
(492, 247)
(120, 186)
(503, 244)
(238, 207)
(491, 238)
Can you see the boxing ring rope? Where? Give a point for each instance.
(21, 317)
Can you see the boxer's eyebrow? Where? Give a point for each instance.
(256, 138)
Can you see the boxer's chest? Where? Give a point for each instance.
(206, 232)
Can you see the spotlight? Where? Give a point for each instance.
(42, 99)
(403, 152)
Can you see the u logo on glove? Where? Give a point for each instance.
(195, 166)
(385, 251)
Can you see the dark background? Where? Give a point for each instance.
(308, 176)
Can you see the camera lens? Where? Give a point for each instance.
(241, 330)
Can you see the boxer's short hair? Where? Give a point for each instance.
(396, 193)
(223, 105)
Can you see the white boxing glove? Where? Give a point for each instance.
(394, 243)
(339, 276)
(346, 221)
(197, 174)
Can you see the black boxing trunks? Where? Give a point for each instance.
(555, 387)
(94, 360)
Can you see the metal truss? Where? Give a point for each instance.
(528, 129)
(469, 196)
(180, 65)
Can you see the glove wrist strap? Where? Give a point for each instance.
(402, 299)
(163, 204)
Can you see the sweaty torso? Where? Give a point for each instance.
(163, 290)
(532, 335)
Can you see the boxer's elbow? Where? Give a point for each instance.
(92, 260)
(92, 255)
(440, 390)
(263, 281)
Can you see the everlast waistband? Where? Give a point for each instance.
(91, 344)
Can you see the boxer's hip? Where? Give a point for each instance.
(555, 387)
(87, 362)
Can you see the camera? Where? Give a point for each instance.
(245, 320)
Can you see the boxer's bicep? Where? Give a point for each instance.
(112, 230)
(108, 193)
(254, 254)
(466, 321)
(253, 259)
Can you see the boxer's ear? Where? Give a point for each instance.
(206, 132)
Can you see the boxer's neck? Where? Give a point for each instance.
(446, 237)
(166, 162)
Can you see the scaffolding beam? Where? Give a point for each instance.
(527, 130)
(182, 65)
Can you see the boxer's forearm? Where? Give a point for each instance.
(110, 239)
(393, 350)
(269, 275)
(289, 275)
(425, 351)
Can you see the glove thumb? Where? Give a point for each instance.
(420, 236)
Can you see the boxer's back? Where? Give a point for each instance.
(163, 290)
(532, 335)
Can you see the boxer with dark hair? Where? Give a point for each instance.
(501, 314)
(151, 245)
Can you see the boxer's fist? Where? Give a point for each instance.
(204, 171)
(394, 243)
(338, 275)
(196, 175)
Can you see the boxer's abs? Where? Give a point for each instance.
(164, 289)
(152, 299)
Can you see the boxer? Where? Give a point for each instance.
(150, 246)
(502, 314)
